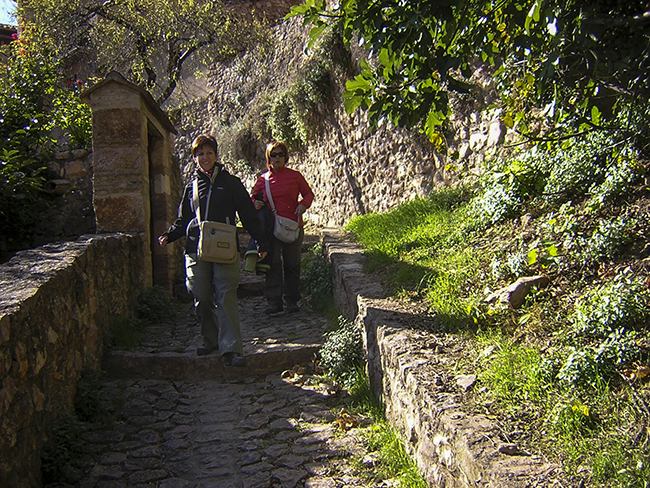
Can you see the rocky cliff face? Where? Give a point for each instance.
(351, 169)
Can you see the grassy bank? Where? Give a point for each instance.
(566, 373)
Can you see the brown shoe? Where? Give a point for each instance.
(202, 351)
(273, 309)
(234, 359)
(293, 308)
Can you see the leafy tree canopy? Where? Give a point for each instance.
(584, 63)
(33, 99)
(148, 41)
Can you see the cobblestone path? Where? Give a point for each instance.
(185, 421)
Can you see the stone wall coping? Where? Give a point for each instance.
(154, 108)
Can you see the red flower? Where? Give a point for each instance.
(22, 51)
(79, 82)
(14, 36)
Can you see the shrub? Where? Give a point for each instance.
(295, 112)
(342, 353)
(595, 167)
(591, 365)
(124, 332)
(155, 305)
(64, 443)
(91, 403)
(31, 103)
(608, 239)
(621, 303)
(318, 273)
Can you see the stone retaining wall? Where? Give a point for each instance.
(57, 302)
(351, 169)
(71, 186)
(452, 447)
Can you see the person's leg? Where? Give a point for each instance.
(226, 281)
(273, 288)
(198, 281)
(291, 255)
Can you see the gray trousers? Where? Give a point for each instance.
(214, 287)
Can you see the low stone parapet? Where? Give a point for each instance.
(452, 446)
(56, 303)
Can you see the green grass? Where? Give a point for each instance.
(420, 251)
(393, 462)
(599, 432)
(557, 383)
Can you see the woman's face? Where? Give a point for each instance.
(277, 157)
(205, 157)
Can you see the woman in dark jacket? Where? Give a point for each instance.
(207, 280)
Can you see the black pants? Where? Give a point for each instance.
(283, 279)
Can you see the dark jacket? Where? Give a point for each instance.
(228, 197)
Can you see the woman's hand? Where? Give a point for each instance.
(300, 209)
(258, 204)
(162, 240)
(262, 255)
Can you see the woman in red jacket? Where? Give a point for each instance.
(291, 197)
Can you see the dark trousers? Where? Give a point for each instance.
(283, 279)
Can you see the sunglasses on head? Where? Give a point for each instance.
(277, 154)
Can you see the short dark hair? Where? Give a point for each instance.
(203, 140)
(276, 145)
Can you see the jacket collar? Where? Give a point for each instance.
(218, 168)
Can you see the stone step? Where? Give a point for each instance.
(271, 344)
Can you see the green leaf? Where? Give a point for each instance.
(314, 34)
(384, 58)
(350, 104)
(533, 15)
(359, 84)
(595, 115)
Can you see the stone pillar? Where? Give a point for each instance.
(133, 171)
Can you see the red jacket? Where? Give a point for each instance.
(287, 185)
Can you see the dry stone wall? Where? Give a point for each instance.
(70, 187)
(351, 169)
(56, 305)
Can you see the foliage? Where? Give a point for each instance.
(31, 103)
(604, 320)
(567, 372)
(589, 365)
(318, 272)
(91, 403)
(63, 445)
(72, 116)
(597, 168)
(124, 332)
(294, 114)
(239, 167)
(342, 352)
(155, 305)
(393, 460)
(619, 303)
(583, 62)
(149, 41)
